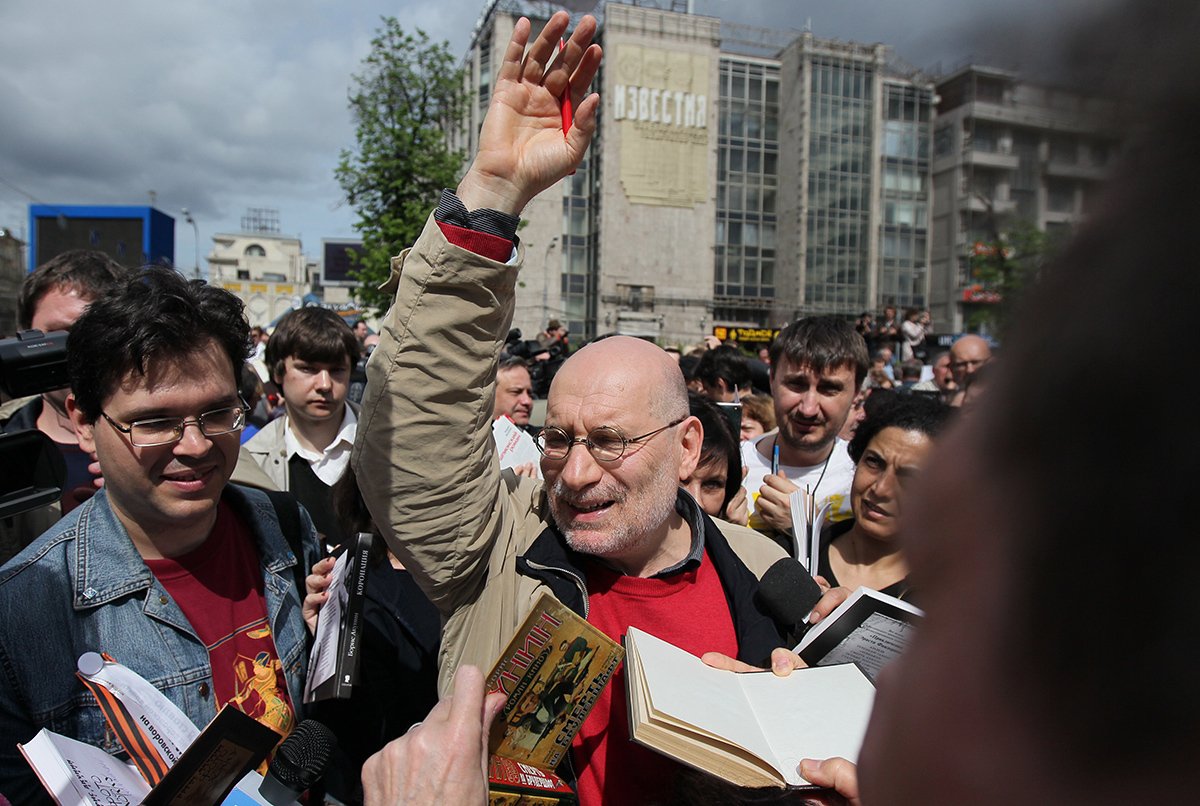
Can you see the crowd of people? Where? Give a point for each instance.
(200, 558)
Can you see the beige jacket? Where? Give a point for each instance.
(426, 463)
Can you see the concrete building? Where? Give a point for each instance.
(267, 270)
(12, 274)
(739, 177)
(1006, 151)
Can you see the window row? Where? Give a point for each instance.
(750, 161)
(745, 233)
(750, 199)
(842, 79)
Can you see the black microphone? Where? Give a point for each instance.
(298, 764)
(788, 594)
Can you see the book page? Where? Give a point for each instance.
(681, 686)
(869, 628)
(811, 713)
(514, 446)
(77, 774)
(877, 641)
(322, 663)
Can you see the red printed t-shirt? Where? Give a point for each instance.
(689, 610)
(219, 588)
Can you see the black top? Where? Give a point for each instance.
(317, 498)
(901, 589)
(398, 677)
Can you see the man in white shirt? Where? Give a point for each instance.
(307, 450)
(817, 366)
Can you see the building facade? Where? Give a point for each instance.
(266, 270)
(1006, 153)
(12, 274)
(739, 177)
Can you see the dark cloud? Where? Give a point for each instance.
(225, 105)
(933, 35)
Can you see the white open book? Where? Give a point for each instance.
(749, 729)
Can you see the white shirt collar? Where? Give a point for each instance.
(330, 464)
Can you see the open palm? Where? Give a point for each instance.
(522, 149)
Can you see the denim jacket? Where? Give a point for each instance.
(82, 586)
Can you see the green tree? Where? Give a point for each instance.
(1003, 269)
(404, 102)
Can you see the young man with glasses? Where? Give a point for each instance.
(608, 532)
(176, 574)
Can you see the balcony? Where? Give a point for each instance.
(1073, 170)
(973, 203)
(992, 159)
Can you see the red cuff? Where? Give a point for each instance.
(492, 247)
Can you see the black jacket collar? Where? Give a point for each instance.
(553, 563)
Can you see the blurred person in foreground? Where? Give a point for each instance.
(1017, 686)
(1016, 677)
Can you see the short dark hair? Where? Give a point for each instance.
(512, 362)
(719, 441)
(910, 369)
(727, 364)
(822, 342)
(687, 366)
(311, 334)
(154, 313)
(249, 384)
(907, 412)
(88, 273)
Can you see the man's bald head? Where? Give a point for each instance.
(633, 369)
(967, 355)
(622, 509)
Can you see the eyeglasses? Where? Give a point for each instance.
(606, 443)
(166, 430)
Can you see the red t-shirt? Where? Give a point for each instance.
(689, 610)
(219, 588)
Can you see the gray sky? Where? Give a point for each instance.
(224, 105)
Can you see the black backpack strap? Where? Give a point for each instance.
(287, 512)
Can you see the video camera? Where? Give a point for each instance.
(541, 370)
(522, 348)
(32, 471)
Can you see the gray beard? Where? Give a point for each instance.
(620, 538)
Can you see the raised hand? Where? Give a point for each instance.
(522, 149)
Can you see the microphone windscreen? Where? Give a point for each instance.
(787, 593)
(302, 758)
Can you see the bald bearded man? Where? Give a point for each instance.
(609, 532)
